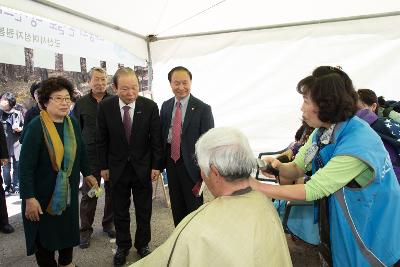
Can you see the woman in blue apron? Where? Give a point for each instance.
(352, 176)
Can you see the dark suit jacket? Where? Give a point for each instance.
(85, 112)
(144, 150)
(198, 120)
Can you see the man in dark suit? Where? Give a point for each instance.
(184, 119)
(130, 155)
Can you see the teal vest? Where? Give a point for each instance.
(364, 222)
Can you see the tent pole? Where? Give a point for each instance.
(149, 39)
(285, 25)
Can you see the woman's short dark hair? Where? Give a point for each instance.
(367, 96)
(35, 86)
(331, 89)
(10, 97)
(52, 85)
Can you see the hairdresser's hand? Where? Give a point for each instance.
(254, 184)
(274, 163)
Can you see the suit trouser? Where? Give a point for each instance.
(3, 205)
(88, 204)
(141, 190)
(180, 187)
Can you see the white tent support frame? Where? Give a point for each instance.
(285, 25)
(149, 63)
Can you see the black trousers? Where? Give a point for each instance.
(141, 190)
(45, 258)
(180, 187)
(3, 205)
(88, 205)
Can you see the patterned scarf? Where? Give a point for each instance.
(324, 137)
(59, 154)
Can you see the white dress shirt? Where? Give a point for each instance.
(131, 110)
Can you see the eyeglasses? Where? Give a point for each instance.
(59, 99)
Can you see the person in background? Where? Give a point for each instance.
(386, 128)
(367, 99)
(5, 226)
(240, 227)
(52, 157)
(75, 97)
(184, 118)
(13, 123)
(85, 112)
(301, 138)
(352, 176)
(130, 157)
(389, 109)
(35, 110)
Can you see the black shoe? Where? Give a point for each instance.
(85, 239)
(110, 233)
(120, 256)
(7, 229)
(143, 251)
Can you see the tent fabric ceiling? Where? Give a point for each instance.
(226, 67)
(176, 17)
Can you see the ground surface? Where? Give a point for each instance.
(100, 253)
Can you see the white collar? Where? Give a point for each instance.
(122, 104)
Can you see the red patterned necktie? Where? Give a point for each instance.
(176, 133)
(127, 121)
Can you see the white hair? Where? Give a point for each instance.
(228, 150)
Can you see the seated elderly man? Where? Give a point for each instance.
(240, 227)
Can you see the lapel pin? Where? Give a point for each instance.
(138, 112)
(192, 108)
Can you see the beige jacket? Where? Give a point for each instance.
(241, 230)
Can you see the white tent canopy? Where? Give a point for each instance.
(176, 17)
(248, 77)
